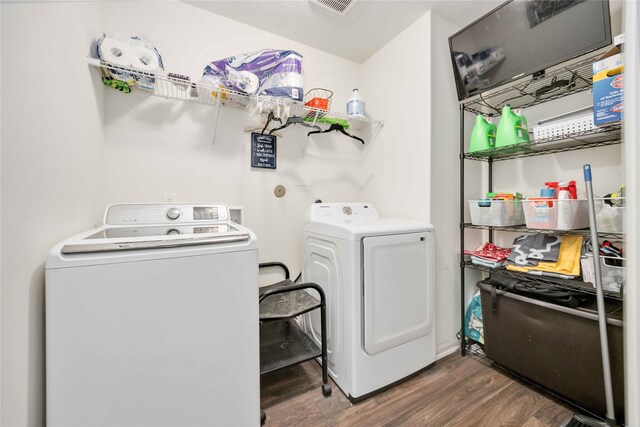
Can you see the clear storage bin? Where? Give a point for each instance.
(497, 213)
(609, 218)
(613, 276)
(556, 214)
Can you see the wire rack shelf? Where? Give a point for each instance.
(574, 285)
(166, 86)
(532, 91)
(523, 229)
(597, 137)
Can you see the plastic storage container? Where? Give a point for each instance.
(555, 346)
(556, 214)
(497, 213)
(609, 218)
(613, 276)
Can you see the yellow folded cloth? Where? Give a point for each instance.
(568, 259)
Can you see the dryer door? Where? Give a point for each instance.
(398, 289)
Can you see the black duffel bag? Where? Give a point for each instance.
(532, 289)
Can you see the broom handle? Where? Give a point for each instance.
(602, 319)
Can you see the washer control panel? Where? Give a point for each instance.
(173, 213)
(164, 213)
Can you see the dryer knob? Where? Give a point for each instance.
(174, 213)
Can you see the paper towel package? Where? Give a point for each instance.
(269, 72)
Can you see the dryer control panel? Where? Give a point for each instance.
(164, 213)
(323, 212)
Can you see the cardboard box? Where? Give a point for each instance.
(608, 86)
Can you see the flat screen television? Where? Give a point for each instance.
(524, 37)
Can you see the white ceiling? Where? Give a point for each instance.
(368, 26)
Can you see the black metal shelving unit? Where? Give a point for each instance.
(522, 94)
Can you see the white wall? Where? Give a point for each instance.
(444, 172)
(156, 146)
(396, 88)
(52, 176)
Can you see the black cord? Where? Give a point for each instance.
(486, 104)
(553, 86)
(522, 93)
(298, 278)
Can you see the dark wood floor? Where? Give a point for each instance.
(458, 391)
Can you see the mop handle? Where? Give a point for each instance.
(602, 319)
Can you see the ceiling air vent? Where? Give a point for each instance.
(341, 7)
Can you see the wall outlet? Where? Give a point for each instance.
(168, 197)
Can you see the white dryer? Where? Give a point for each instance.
(378, 277)
(152, 320)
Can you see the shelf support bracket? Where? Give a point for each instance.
(304, 147)
(215, 120)
(377, 131)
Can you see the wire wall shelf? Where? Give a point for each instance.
(597, 137)
(527, 93)
(523, 229)
(574, 285)
(165, 86)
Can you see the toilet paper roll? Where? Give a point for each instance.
(144, 59)
(251, 82)
(115, 52)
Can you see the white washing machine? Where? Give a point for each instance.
(152, 320)
(378, 277)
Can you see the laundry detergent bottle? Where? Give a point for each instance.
(512, 128)
(483, 136)
(355, 106)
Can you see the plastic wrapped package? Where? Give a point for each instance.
(269, 72)
(473, 320)
(128, 49)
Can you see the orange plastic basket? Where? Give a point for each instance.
(319, 103)
(318, 98)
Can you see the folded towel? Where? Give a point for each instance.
(529, 250)
(568, 262)
(485, 263)
(490, 252)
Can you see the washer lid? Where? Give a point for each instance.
(106, 245)
(107, 239)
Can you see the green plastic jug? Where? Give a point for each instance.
(512, 128)
(483, 136)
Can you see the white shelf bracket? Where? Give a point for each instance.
(304, 147)
(215, 121)
(376, 132)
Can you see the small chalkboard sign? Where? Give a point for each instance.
(263, 151)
